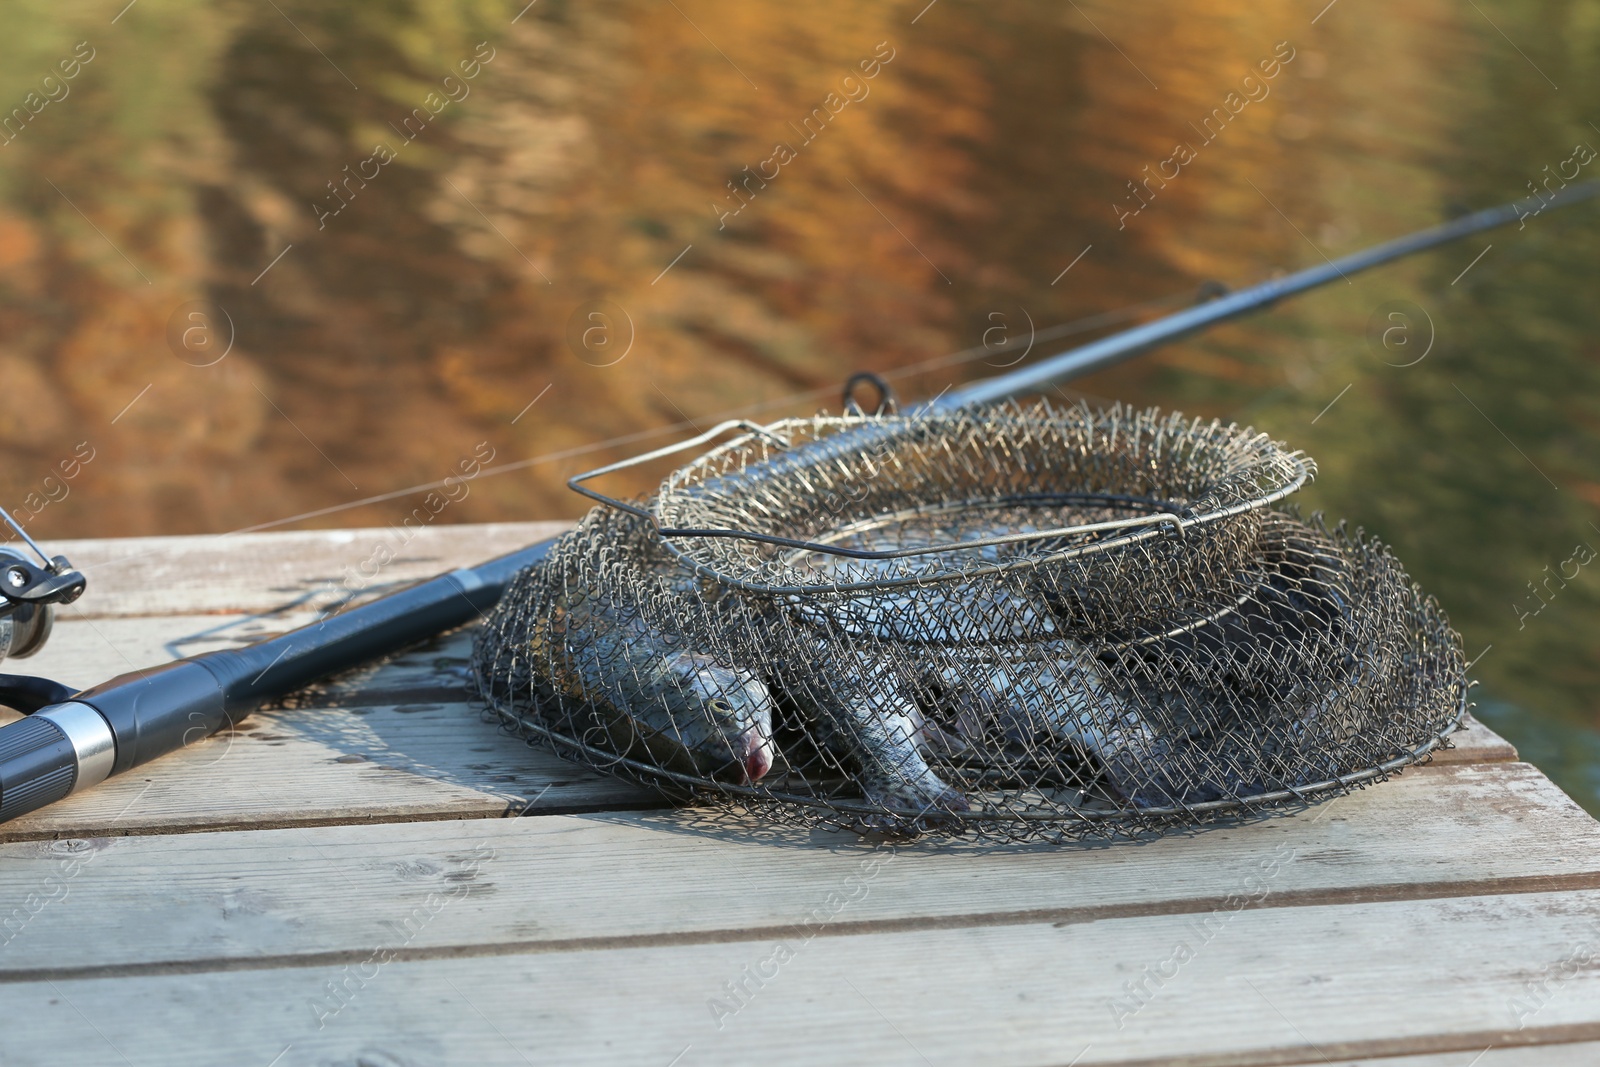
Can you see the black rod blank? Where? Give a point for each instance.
(138, 716)
(1120, 346)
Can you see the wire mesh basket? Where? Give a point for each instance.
(1018, 623)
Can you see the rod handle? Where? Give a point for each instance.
(53, 752)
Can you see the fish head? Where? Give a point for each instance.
(720, 717)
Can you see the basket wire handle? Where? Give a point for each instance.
(575, 483)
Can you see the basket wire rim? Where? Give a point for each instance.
(1301, 465)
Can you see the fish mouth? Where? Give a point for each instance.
(753, 751)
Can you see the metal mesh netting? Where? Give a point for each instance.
(1135, 640)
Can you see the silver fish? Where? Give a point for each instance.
(868, 713)
(1050, 694)
(945, 614)
(1059, 694)
(686, 710)
(953, 613)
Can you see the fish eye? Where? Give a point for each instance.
(720, 706)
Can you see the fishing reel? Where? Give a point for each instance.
(43, 756)
(29, 593)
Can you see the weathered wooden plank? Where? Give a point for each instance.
(281, 571)
(271, 582)
(403, 745)
(315, 765)
(83, 652)
(1273, 987)
(1476, 743)
(287, 578)
(551, 883)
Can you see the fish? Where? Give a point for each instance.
(954, 614)
(906, 692)
(865, 710)
(1031, 686)
(1054, 695)
(679, 708)
(1291, 609)
(710, 712)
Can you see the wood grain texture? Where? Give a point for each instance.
(83, 652)
(568, 882)
(1274, 986)
(1476, 743)
(261, 572)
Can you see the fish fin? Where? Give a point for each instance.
(925, 795)
(938, 740)
(911, 806)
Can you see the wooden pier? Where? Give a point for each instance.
(378, 877)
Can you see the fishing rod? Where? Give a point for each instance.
(69, 742)
(1108, 351)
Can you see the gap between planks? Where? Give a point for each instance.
(1550, 1046)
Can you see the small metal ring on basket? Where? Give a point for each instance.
(887, 404)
